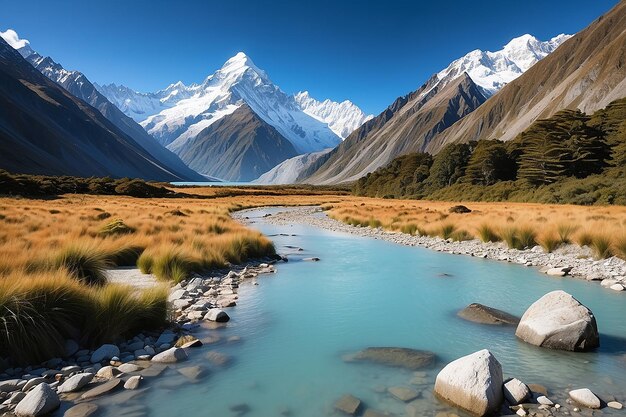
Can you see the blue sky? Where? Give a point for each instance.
(365, 51)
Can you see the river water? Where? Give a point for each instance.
(295, 326)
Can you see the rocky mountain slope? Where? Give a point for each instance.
(288, 171)
(406, 126)
(587, 72)
(46, 130)
(238, 147)
(79, 85)
(412, 122)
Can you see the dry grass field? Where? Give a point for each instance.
(520, 225)
(53, 252)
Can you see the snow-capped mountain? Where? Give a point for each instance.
(343, 118)
(140, 106)
(179, 113)
(493, 70)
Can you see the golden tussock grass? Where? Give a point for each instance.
(54, 254)
(520, 225)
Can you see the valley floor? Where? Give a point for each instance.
(567, 260)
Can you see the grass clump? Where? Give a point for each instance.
(116, 227)
(487, 233)
(527, 237)
(584, 238)
(565, 232)
(601, 246)
(409, 229)
(519, 238)
(550, 242)
(446, 231)
(39, 312)
(620, 246)
(86, 263)
(125, 255)
(461, 235)
(118, 310)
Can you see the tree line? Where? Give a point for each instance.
(570, 152)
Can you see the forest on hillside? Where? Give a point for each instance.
(570, 157)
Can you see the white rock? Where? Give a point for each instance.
(617, 287)
(129, 367)
(473, 383)
(516, 392)
(108, 372)
(75, 383)
(177, 295)
(33, 382)
(608, 282)
(105, 352)
(39, 401)
(542, 399)
(585, 397)
(614, 404)
(171, 356)
(521, 412)
(558, 272)
(559, 321)
(216, 314)
(133, 382)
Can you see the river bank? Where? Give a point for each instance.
(83, 381)
(568, 260)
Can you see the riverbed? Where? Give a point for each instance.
(292, 330)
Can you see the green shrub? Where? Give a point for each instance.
(173, 265)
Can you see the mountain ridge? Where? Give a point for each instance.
(46, 130)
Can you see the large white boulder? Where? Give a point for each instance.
(585, 397)
(473, 383)
(75, 383)
(39, 401)
(172, 355)
(217, 314)
(559, 321)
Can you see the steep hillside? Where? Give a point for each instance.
(406, 126)
(587, 72)
(238, 147)
(46, 130)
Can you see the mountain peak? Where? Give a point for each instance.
(521, 41)
(239, 64)
(493, 70)
(13, 39)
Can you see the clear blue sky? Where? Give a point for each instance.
(368, 52)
